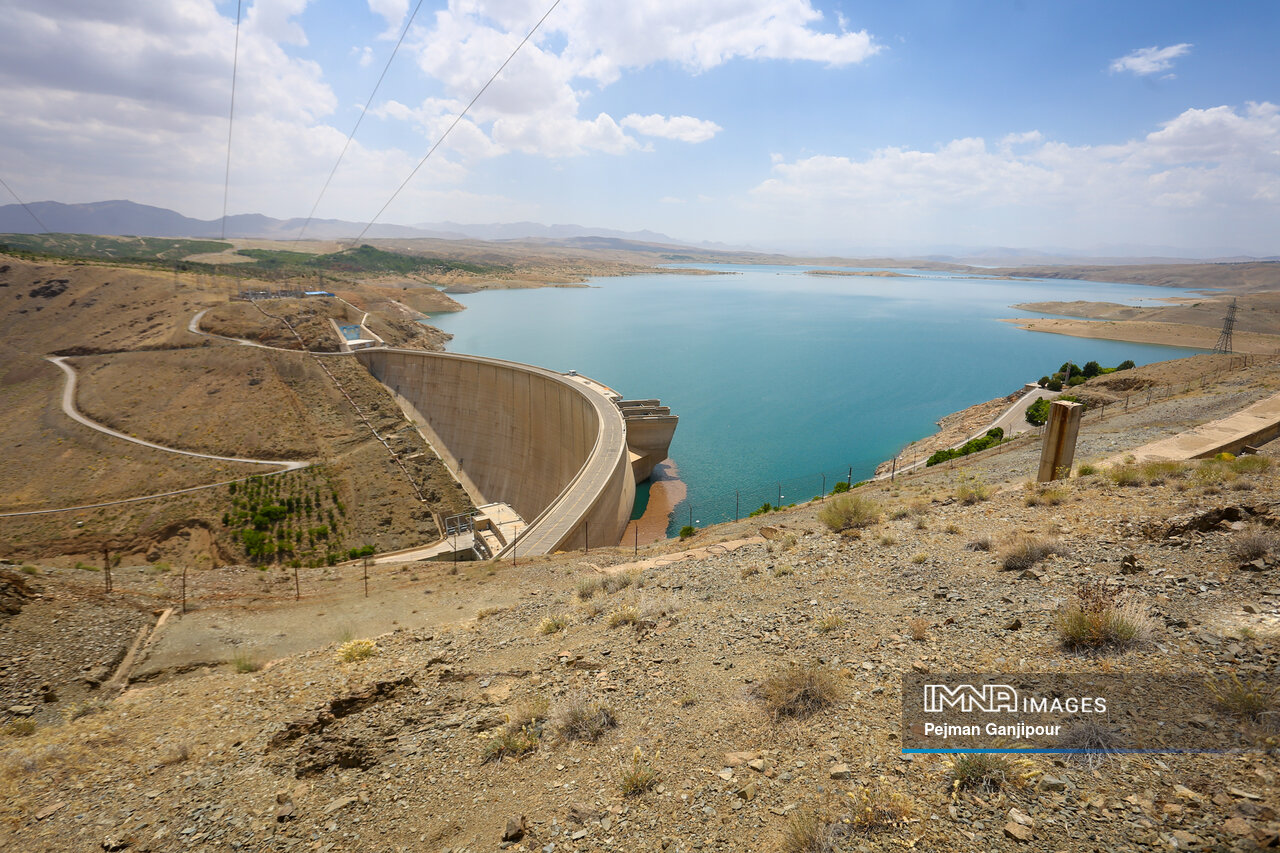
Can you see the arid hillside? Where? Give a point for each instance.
(740, 690)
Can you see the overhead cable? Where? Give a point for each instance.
(457, 119)
(231, 118)
(351, 135)
(31, 212)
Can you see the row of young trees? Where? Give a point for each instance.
(1071, 374)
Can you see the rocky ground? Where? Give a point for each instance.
(388, 752)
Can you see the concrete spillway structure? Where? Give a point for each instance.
(555, 448)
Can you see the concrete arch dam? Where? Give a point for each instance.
(562, 450)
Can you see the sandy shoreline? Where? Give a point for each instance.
(666, 490)
(1151, 332)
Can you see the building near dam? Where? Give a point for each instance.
(562, 452)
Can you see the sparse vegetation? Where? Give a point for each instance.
(1023, 552)
(750, 570)
(829, 622)
(877, 807)
(971, 492)
(1043, 495)
(919, 628)
(521, 734)
(24, 727)
(244, 662)
(687, 531)
(782, 571)
(982, 543)
(638, 775)
(920, 559)
(553, 624)
(88, 708)
(1252, 544)
(849, 512)
(799, 691)
(983, 772)
(994, 436)
(624, 615)
(583, 719)
(588, 587)
(1248, 699)
(1100, 617)
(356, 650)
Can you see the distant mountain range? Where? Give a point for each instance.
(127, 218)
(141, 220)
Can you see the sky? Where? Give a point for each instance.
(786, 125)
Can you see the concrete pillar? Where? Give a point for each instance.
(1060, 435)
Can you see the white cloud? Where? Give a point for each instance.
(1206, 172)
(391, 11)
(1150, 60)
(682, 128)
(593, 44)
(273, 19)
(364, 55)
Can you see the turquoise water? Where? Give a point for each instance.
(778, 376)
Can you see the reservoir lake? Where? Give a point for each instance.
(780, 377)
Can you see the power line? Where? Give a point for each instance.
(24, 206)
(231, 118)
(456, 120)
(351, 136)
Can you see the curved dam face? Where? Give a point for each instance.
(553, 448)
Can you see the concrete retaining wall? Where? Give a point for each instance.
(551, 448)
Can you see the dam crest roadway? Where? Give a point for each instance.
(562, 452)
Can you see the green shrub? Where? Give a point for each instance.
(972, 492)
(1038, 412)
(764, 509)
(1127, 364)
(840, 487)
(1054, 384)
(1076, 380)
(687, 531)
(849, 511)
(1092, 369)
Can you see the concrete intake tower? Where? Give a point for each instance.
(563, 451)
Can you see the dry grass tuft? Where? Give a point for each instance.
(588, 587)
(1023, 552)
(981, 771)
(1101, 618)
(829, 622)
(982, 543)
(919, 628)
(637, 776)
(1249, 699)
(1253, 544)
(799, 691)
(580, 718)
(624, 615)
(849, 512)
(553, 624)
(972, 492)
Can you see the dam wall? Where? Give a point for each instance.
(553, 449)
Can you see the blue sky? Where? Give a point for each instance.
(780, 124)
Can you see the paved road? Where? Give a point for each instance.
(69, 407)
(194, 328)
(1012, 420)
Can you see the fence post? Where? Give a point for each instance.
(297, 588)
